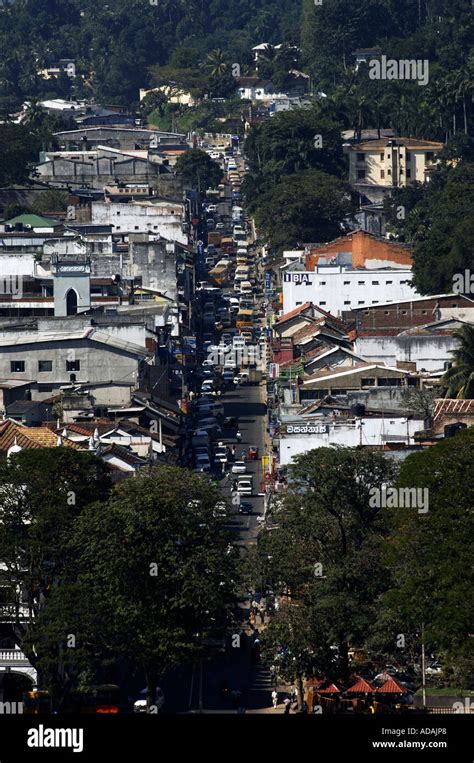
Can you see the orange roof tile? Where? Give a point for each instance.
(30, 437)
(361, 686)
(391, 687)
(294, 312)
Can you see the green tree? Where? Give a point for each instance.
(155, 564)
(19, 149)
(305, 206)
(199, 170)
(155, 100)
(459, 379)
(42, 492)
(52, 200)
(430, 555)
(323, 557)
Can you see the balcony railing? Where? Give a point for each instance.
(13, 657)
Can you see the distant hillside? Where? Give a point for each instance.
(117, 40)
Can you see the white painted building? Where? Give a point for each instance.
(305, 435)
(336, 288)
(429, 347)
(160, 218)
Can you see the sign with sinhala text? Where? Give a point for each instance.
(306, 429)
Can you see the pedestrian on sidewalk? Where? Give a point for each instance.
(238, 436)
(287, 704)
(275, 698)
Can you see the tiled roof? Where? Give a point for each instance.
(413, 143)
(30, 437)
(293, 313)
(125, 455)
(390, 686)
(452, 407)
(331, 689)
(306, 331)
(361, 686)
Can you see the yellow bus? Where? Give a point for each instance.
(245, 319)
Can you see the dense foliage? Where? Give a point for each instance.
(350, 573)
(114, 43)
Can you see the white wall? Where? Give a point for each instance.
(164, 219)
(335, 289)
(374, 431)
(428, 352)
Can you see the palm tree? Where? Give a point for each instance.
(216, 63)
(464, 87)
(459, 379)
(34, 114)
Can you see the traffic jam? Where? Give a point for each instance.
(227, 406)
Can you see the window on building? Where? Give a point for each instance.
(385, 382)
(346, 283)
(424, 312)
(322, 283)
(408, 156)
(360, 174)
(117, 227)
(375, 283)
(118, 213)
(404, 312)
(389, 172)
(361, 283)
(408, 173)
(388, 283)
(298, 303)
(370, 382)
(382, 156)
(387, 312)
(322, 303)
(45, 366)
(361, 302)
(136, 227)
(17, 366)
(375, 301)
(361, 157)
(412, 382)
(347, 302)
(382, 174)
(73, 365)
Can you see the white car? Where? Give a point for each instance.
(244, 487)
(140, 705)
(239, 467)
(220, 456)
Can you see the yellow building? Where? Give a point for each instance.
(393, 162)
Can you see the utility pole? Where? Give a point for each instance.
(423, 665)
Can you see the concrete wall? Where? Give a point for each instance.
(367, 251)
(164, 219)
(99, 364)
(374, 432)
(16, 263)
(430, 353)
(335, 289)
